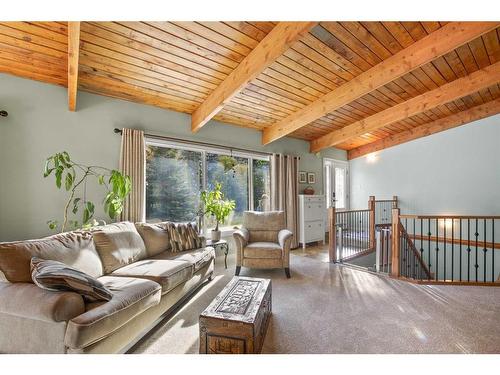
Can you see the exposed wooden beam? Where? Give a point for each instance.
(459, 88)
(461, 118)
(436, 44)
(73, 56)
(281, 37)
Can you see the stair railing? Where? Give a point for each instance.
(446, 249)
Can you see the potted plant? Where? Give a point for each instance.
(214, 204)
(74, 177)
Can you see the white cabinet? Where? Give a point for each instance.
(312, 213)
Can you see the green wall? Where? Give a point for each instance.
(39, 124)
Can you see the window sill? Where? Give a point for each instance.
(224, 233)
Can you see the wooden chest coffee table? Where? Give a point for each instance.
(236, 321)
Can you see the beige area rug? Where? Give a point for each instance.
(326, 308)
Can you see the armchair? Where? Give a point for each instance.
(263, 241)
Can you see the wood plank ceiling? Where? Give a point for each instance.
(177, 65)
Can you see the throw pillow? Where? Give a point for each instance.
(57, 276)
(75, 249)
(155, 236)
(118, 244)
(183, 236)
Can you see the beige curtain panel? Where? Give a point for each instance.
(284, 190)
(133, 163)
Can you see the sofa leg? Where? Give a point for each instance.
(287, 272)
(238, 269)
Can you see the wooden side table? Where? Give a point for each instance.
(221, 244)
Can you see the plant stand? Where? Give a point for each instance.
(221, 244)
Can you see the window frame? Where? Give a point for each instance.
(203, 150)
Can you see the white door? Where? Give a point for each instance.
(336, 183)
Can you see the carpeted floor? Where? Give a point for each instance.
(326, 308)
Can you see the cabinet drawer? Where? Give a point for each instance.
(314, 230)
(308, 200)
(314, 211)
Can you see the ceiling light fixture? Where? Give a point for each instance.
(371, 158)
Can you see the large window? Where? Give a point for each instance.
(176, 174)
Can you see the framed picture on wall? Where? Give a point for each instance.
(302, 178)
(311, 178)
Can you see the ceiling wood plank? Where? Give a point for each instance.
(451, 91)
(461, 118)
(264, 54)
(419, 53)
(73, 56)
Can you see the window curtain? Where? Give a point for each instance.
(284, 190)
(132, 163)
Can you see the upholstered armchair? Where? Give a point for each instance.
(263, 241)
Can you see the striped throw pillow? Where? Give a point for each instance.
(57, 276)
(183, 236)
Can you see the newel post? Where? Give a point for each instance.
(332, 235)
(394, 201)
(395, 272)
(371, 223)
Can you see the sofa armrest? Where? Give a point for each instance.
(285, 240)
(241, 237)
(29, 301)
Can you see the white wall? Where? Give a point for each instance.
(39, 124)
(456, 171)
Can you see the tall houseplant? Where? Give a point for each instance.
(214, 204)
(74, 176)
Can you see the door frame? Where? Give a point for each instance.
(343, 164)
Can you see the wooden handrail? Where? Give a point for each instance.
(457, 241)
(444, 217)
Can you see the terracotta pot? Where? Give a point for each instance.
(309, 190)
(215, 235)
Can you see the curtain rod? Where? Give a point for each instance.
(186, 141)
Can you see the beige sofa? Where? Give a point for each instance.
(133, 261)
(263, 241)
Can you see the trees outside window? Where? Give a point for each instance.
(176, 176)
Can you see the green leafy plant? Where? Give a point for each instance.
(214, 204)
(74, 177)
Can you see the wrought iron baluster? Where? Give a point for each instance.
(485, 250)
(444, 250)
(460, 260)
(476, 264)
(452, 248)
(493, 250)
(468, 250)
(429, 245)
(437, 248)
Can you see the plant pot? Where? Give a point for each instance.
(215, 235)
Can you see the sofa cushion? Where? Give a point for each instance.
(118, 244)
(183, 236)
(155, 237)
(198, 257)
(31, 302)
(76, 249)
(56, 276)
(130, 298)
(168, 273)
(259, 250)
